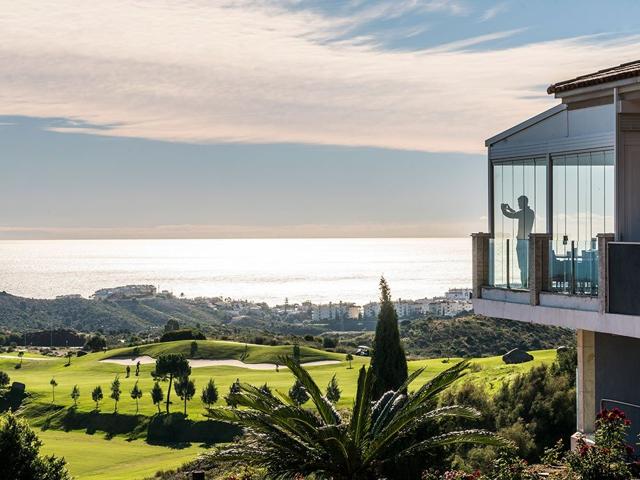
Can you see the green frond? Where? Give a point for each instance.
(477, 437)
(325, 408)
(361, 418)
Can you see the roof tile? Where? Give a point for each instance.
(626, 70)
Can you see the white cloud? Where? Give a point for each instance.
(202, 71)
(493, 12)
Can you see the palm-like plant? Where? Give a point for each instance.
(289, 440)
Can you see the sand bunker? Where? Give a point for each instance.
(199, 363)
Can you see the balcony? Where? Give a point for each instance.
(593, 285)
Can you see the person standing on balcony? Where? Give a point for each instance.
(525, 217)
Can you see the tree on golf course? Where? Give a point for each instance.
(4, 379)
(209, 393)
(388, 361)
(20, 453)
(68, 355)
(233, 388)
(97, 396)
(115, 392)
(157, 395)
(20, 355)
(333, 390)
(296, 353)
(53, 384)
(290, 441)
(349, 359)
(185, 389)
(136, 394)
(171, 366)
(298, 394)
(75, 394)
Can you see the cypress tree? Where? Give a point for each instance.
(388, 361)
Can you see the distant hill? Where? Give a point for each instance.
(18, 313)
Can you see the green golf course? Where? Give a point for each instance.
(80, 434)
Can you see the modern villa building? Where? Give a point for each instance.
(563, 246)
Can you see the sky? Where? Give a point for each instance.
(265, 118)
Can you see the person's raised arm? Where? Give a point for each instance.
(508, 212)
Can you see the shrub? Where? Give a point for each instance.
(333, 390)
(298, 393)
(607, 458)
(96, 343)
(19, 450)
(4, 379)
(328, 342)
(182, 334)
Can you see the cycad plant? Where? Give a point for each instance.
(288, 440)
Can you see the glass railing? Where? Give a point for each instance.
(508, 263)
(573, 266)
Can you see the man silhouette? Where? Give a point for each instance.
(525, 217)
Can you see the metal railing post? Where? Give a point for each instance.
(508, 266)
(573, 267)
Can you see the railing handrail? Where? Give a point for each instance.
(618, 402)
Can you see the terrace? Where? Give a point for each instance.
(563, 244)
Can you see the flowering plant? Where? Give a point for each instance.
(608, 457)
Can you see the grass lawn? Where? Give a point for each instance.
(88, 372)
(92, 457)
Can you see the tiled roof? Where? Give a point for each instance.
(626, 70)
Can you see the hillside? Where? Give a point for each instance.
(476, 336)
(18, 313)
(222, 350)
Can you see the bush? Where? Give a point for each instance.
(4, 379)
(328, 342)
(607, 458)
(96, 343)
(182, 334)
(19, 450)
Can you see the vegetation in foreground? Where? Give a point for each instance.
(379, 439)
(20, 453)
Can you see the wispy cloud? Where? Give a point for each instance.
(460, 45)
(201, 71)
(494, 11)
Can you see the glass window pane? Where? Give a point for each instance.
(519, 208)
(582, 208)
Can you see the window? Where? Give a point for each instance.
(520, 208)
(583, 194)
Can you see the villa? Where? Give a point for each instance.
(563, 246)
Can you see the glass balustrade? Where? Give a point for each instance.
(508, 263)
(573, 267)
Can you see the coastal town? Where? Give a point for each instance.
(454, 302)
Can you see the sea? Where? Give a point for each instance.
(261, 270)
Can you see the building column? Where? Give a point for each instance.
(586, 381)
(539, 245)
(480, 259)
(603, 270)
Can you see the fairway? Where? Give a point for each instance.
(92, 457)
(139, 459)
